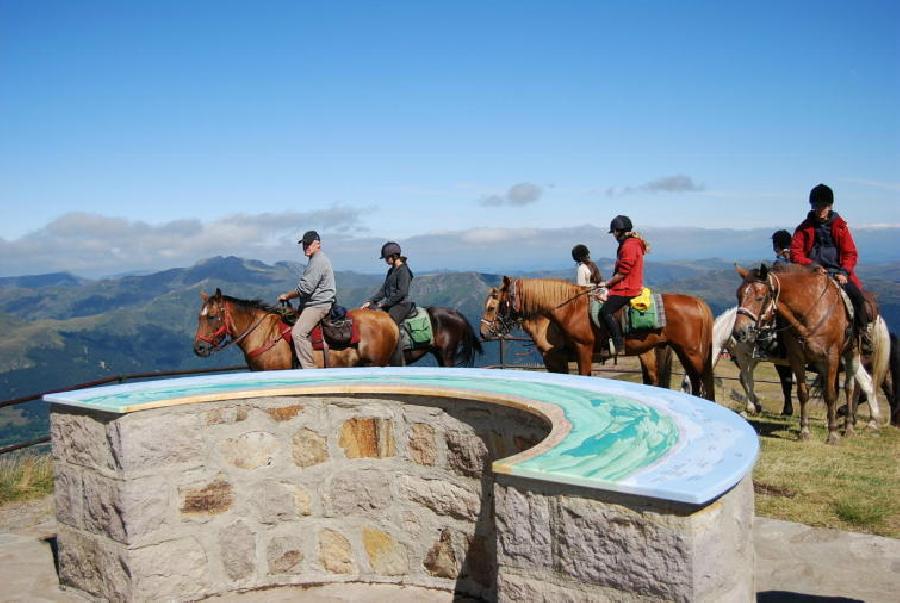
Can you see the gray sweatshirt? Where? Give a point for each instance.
(316, 286)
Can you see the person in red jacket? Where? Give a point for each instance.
(823, 239)
(627, 280)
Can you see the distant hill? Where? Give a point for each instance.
(59, 330)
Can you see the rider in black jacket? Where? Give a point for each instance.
(393, 295)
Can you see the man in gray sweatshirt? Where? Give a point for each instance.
(316, 291)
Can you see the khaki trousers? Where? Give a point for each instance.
(308, 319)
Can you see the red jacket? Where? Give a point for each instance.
(805, 235)
(630, 263)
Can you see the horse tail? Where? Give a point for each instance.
(881, 353)
(709, 376)
(664, 366)
(469, 344)
(895, 381)
(722, 330)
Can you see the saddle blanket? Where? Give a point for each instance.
(415, 332)
(317, 338)
(632, 318)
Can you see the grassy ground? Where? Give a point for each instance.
(23, 477)
(852, 486)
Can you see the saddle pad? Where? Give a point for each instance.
(653, 318)
(316, 338)
(595, 313)
(416, 331)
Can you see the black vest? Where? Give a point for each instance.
(824, 252)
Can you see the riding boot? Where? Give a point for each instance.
(615, 335)
(397, 358)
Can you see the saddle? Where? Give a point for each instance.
(647, 314)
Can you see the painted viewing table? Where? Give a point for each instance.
(497, 484)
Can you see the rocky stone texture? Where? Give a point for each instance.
(189, 502)
(334, 552)
(386, 555)
(372, 438)
(309, 448)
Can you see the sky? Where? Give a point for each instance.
(145, 135)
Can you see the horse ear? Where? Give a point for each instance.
(506, 281)
(218, 293)
(203, 296)
(741, 271)
(763, 271)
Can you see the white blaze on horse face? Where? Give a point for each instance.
(204, 311)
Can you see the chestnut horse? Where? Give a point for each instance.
(688, 332)
(257, 329)
(656, 365)
(815, 327)
(455, 343)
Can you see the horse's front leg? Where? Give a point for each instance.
(802, 396)
(584, 354)
(785, 376)
(829, 392)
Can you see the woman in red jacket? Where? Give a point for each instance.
(824, 239)
(628, 277)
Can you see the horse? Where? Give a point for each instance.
(688, 332)
(454, 340)
(259, 331)
(746, 358)
(556, 352)
(815, 328)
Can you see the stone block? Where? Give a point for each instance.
(367, 437)
(211, 499)
(362, 492)
(124, 510)
(173, 569)
(147, 441)
(422, 446)
(308, 448)
(227, 416)
(68, 494)
(335, 554)
(386, 556)
(466, 453)
(80, 438)
(277, 502)
(440, 561)
(250, 450)
(237, 543)
(523, 528)
(284, 413)
(93, 565)
(441, 496)
(285, 555)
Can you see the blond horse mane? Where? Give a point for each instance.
(541, 295)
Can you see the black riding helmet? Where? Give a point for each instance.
(580, 253)
(390, 248)
(781, 239)
(821, 195)
(620, 222)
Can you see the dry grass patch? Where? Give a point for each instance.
(24, 477)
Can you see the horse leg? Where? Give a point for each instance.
(649, 368)
(556, 361)
(786, 378)
(692, 371)
(799, 370)
(584, 353)
(829, 374)
(746, 365)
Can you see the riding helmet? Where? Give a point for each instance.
(620, 222)
(781, 239)
(821, 195)
(390, 248)
(580, 253)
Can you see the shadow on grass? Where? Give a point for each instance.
(766, 428)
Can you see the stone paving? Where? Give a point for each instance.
(794, 562)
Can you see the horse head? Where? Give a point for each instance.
(756, 304)
(212, 324)
(490, 316)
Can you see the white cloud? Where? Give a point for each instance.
(678, 183)
(518, 195)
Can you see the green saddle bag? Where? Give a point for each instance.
(418, 330)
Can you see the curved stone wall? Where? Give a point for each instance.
(226, 488)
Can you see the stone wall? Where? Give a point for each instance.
(189, 501)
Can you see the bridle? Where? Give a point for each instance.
(766, 317)
(507, 314)
(223, 337)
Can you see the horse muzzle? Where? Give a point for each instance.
(202, 348)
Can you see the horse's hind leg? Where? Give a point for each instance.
(786, 378)
(830, 393)
(799, 371)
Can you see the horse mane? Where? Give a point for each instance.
(252, 304)
(538, 295)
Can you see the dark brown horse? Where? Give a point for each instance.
(555, 350)
(455, 342)
(258, 330)
(814, 325)
(688, 332)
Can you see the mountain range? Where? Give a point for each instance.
(59, 329)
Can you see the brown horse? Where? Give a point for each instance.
(455, 343)
(565, 306)
(555, 350)
(257, 329)
(816, 329)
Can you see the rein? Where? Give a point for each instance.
(225, 329)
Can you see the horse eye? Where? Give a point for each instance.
(759, 298)
(210, 317)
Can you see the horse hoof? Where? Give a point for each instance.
(787, 412)
(805, 435)
(873, 427)
(832, 438)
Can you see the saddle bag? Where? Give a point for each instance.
(418, 329)
(337, 332)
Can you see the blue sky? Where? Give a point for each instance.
(249, 122)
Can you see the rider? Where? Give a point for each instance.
(627, 280)
(823, 239)
(316, 291)
(393, 295)
(587, 273)
(781, 245)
